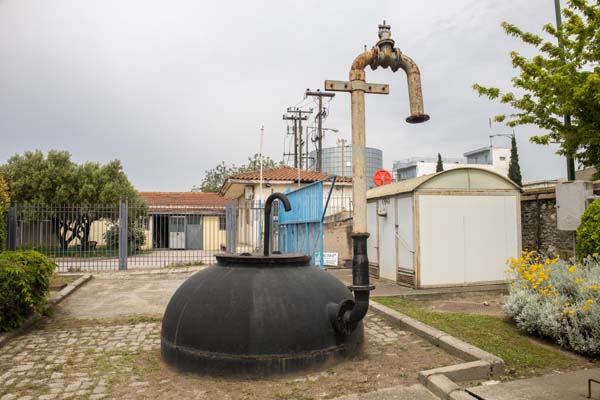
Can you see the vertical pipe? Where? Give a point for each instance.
(359, 184)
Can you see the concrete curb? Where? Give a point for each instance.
(141, 272)
(441, 381)
(52, 302)
(68, 290)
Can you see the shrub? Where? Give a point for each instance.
(136, 237)
(24, 280)
(557, 300)
(588, 233)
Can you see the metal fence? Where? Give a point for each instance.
(121, 236)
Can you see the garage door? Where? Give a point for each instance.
(466, 239)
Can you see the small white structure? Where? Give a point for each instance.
(455, 227)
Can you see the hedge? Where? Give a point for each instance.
(588, 233)
(24, 281)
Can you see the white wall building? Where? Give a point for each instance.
(492, 158)
(455, 227)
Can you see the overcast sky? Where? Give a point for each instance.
(171, 88)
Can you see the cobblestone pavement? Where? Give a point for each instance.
(95, 359)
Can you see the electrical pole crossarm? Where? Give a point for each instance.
(319, 93)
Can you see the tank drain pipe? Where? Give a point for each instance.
(268, 204)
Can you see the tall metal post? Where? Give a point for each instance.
(123, 234)
(11, 240)
(567, 118)
(359, 178)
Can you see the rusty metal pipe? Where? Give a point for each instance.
(415, 95)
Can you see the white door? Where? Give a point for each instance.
(372, 228)
(387, 238)
(177, 232)
(466, 239)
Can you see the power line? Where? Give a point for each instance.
(319, 117)
(297, 116)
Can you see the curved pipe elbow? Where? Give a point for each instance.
(268, 205)
(364, 59)
(415, 94)
(345, 316)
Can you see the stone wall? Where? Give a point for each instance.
(538, 225)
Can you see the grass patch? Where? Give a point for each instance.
(60, 280)
(495, 335)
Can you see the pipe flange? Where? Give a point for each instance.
(337, 313)
(359, 288)
(375, 60)
(397, 58)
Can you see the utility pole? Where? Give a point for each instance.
(567, 118)
(297, 115)
(319, 118)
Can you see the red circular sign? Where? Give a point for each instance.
(382, 177)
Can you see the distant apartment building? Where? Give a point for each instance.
(492, 158)
(338, 161)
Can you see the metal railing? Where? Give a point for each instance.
(121, 236)
(109, 237)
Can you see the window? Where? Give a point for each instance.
(502, 158)
(194, 219)
(222, 223)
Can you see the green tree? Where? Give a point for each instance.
(560, 80)
(514, 169)
(215, 177)
(254, 164)
(439, 167)
(55, 179)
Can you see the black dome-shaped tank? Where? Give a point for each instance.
(256, 315)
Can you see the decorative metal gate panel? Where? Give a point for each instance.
(301, 229)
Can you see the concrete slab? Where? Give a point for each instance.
(563, 386)
(382, 287)
(414, 392)
(388, 288)
(127, 295)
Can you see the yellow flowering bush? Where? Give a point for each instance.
(556, 299)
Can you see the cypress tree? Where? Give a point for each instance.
(440, 164)
(514, 169)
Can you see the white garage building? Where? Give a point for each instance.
(455, 227)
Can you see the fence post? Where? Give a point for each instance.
(11, 240)
(231, 226)
(123, 209)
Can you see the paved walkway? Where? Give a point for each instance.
(122, 294)
(103, 342)
(564, 386)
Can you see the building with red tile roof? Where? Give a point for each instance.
(275, 179)
(185, 202)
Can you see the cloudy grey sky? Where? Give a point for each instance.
(171, 88)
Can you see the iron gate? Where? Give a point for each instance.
(301, 228)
